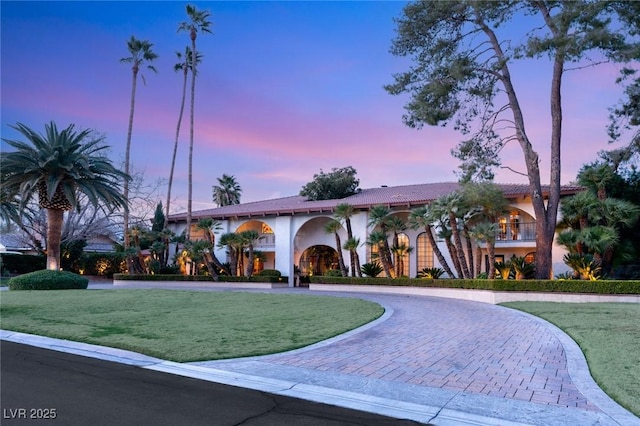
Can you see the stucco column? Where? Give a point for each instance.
(284, 246)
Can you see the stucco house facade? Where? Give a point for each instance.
(293, 229)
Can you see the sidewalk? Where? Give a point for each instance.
(438, 361)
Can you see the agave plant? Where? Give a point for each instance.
(431, 273)
(372, 269)
(585, 267)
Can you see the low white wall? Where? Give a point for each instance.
(199, 284)
(486, 296)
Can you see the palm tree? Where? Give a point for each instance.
(422, 217)
(184, 65)
(450, 205)
(227, 192)
(378, 239)
(210, 227)
(249, 239)
(377, 218)
(352, 245)
(58, 166)
(197, 22)
(344, 212)
(230, 241)
(141, 53)
(333, 227)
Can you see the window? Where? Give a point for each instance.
(424, 253)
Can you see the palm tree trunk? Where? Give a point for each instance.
(343, 269)
(470, 255)
(193, 94)
(54, 235)
(356, 259)
(454, 257)
(458, 245)
(175, 147)
(250, 262)
(127, 156)
(438, 253)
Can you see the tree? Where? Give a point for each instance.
(463, 68)
(198, 22)
(183, 65)
(352, 245)
(344, 212)
(378, 216)
(452, 207)
(333, 227)
(249, 239)
(58, 166)
(141, 54)
(227, 192)
(210, 228)
(422, 217)
(378, 239)
(158, 218)
(337, 184)
(230, 240)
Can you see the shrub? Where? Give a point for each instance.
(372, 269)
(333, 273)
(48, 280)
(102, 264)
(431, 273)
(22, 263)
(269, 273)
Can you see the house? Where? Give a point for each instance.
(293, 228)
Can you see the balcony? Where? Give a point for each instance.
(515, 231)
(267, 242)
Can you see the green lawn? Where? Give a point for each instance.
(609, 336)
(184, 325)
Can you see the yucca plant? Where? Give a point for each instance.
(431, 273)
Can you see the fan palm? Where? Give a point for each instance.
(141, 53)
(422, 217)
(227, 192)
(344, 212)
(378, 239)
(58, 166)
(451, 206)
(184, 65)
(352, 245)
(378, 216)
(198, 21)
(210, 227)
(333, 227)
(249, 239)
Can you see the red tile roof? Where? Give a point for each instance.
(393, 196)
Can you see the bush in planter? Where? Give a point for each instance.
(48, 280)
(269, 273)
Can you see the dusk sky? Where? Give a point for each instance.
(285, 89)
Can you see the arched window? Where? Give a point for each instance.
(424, 253)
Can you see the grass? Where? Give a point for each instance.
(609, 336)
(184, 326)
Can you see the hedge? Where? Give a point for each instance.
(564, 286)
(48, 280)
(198, 278)
(21, 263)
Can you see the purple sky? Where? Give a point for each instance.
(285, 89)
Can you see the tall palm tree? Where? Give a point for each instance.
(210, 227)
(183, 65)
(378, 239)
(249, 239)
(230, 241)
(378, 218)
(141, 54)
(450, 205)
(58, 166)
(198, 21)
(227, 192)
(422, 217)
(333, 227)
(344, 212)
(352, 245)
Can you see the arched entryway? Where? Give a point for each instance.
(318, 259)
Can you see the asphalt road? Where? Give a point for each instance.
(45, 387)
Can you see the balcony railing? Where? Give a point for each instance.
(266, 242)
(516, 231)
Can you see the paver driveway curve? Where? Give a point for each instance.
(428, 343)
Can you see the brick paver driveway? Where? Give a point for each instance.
(444, 343)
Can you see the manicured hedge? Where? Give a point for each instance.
(22, 263)
(564, 286)
(197, 278)
(48, 280)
